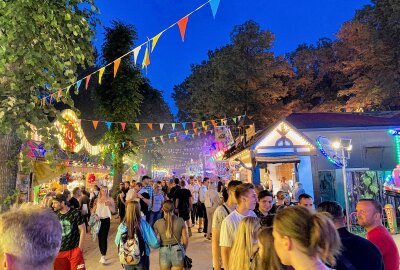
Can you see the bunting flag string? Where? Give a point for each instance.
(182, 23)
(150, 126)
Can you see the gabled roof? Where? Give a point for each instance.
(342, 120)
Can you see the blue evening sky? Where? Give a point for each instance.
(292, 22)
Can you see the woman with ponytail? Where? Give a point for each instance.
(305, 240)
(135, 226)
(171, 230)
(267, 257)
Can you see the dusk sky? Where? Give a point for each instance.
(292, 22)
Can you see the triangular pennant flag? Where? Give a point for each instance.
(184, 125)
(51, 98)
(95, 122)
(137, 125)
(162, 138)
(161, 126)
(155, 40)
(239, 117)
(78, 84)
(206, 127)
(213, 123)
(154, 139)
(214, 6)
(234, 119)
(123, 144)
(203, 123)
(182, 26)
(193, 124)
(59, 94)
(145, 140)
(226, 122)
(116, 66)
(195, 130)
(136, 53)
(123, 125)
(87, 81)
(186, 132)
(175, 139)
(68, 88)
(108, 125)
(198, 134)
(150, 125)
(101, 72)
(173, 126)
(192, 135)
(146, 58)
(205, 132)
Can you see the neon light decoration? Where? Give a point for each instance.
(327, 152)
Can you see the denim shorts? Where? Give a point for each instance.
(171, 256)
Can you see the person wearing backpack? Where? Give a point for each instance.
(171, 230)
(134, 238)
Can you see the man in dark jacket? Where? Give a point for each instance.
(358, 253)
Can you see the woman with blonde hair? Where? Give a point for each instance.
(245, 245)
(171, 230)
(267, 257)
(305, 240)
(135, 227)
(103, 207)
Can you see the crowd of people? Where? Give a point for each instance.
(247, 226)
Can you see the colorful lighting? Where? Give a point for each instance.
(327, 156)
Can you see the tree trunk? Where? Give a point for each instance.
(118, 167)
(9, 153)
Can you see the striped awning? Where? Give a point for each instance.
(278, 159)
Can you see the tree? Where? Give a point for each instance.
(41, 45)
(243, 76)
(120, 99)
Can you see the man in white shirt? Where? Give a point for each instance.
(247, 199)
(194, 189)
(202, 207)
(220, 214)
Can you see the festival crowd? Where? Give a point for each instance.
(247, 226)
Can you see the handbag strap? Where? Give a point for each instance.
(179, 243)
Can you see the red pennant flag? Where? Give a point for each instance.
(182, 26)
(194, 124)
(95, 122)
(116, 66)
(87, 81)
(205, 132)
(123, 125)
(150, 125)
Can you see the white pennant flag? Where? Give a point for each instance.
(136, 53)
(239, 117)
(161, 126)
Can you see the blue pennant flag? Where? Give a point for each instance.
(184, 125)
(108, 125)
(214, 6)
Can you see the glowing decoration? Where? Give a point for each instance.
(135, 167)
(391, 218)
(37, 149)
(71, 136)
(91, 178)
(328, 153)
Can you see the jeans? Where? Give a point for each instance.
(144, 264)
(194, 213)
(154, 216)
(171, 256)
(103, 235)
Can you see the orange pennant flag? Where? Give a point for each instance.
(213, 123)
(87, 81)
(195, 130)
(145, 140)
(95, 122)
(182, 26)
(123, 125)
(146, 59)
(137, 125)
(116, 66)
(150, 125)
(101, 72)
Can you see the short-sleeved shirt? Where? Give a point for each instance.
(202, 191)
(74, 203)
(212, 199)
(158, 200)
(195, 192)
(219, 215)
(70, 230)
(230, 226)
(160, 227)
(184, 196)
(382, 239)
(144, 207)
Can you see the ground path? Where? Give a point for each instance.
(199, 250)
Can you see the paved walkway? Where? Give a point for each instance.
(199, 250)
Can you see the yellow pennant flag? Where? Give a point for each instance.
(155, 40)
(146, 58)
(186, 132)
(137, 125)
(101, 72)
(175, 139)
(203, 123)
(116, 66)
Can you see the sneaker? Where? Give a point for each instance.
(103, 260)
(200, 230)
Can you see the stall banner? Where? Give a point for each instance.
(223, 134)
(43, 172)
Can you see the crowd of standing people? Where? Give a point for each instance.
(247, 226)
